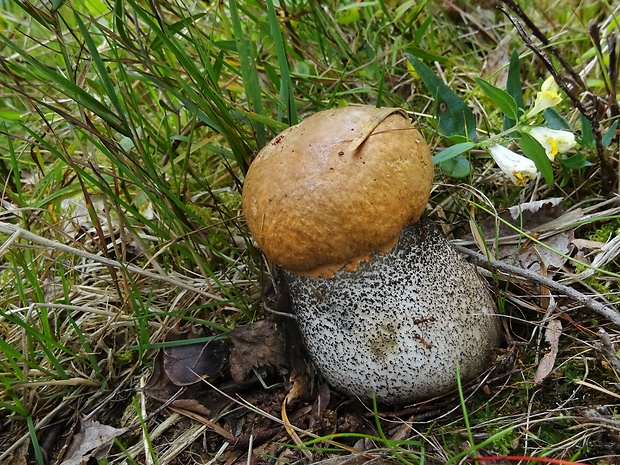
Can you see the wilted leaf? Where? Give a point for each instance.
(552, 336)
(93, 441)
(541, 219)
(200, 398)
(320, 404)
(187, 364)
(534, 207)
(255, 345)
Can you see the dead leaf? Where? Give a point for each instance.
(587, 244)
(552, 336)
(494, 66)
(93, 441)
(188, 363)
(540, 219)
(608, 252)
(255, 345)
(320, 404)
(296, 390)
(201, 398)
(159, 385)
(534, 206)
(19, 456)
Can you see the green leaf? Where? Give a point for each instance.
(10, 115)
(576, 161)
(425, 55)
(456, 120)
(67, 87)
(347, 16)
(413, 8)
(39, 15)
(457, 167)
(102, 71)
(587, 135)
(513, 86)
(452, 152)
(532, 149)
(119, 20)
(501, 98)
(555, 120)
(56, 4)
(609, 135)
(420, 32)
(95, 7)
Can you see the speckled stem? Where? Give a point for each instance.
(396, 326)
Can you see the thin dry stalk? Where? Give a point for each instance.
(588, 302)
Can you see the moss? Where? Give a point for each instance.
(125, 357)
(609, 288)
(503, 444)
(6, 285)
(605, 231)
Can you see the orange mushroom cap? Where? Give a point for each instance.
(336, 188)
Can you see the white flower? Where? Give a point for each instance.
(517, 167)
(554, 141)
(547, 97)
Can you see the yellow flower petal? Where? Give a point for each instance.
(553, 141)
(546, 98)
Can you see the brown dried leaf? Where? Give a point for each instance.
(19, 456)
(159, 385)
(187, 364)
(540, 220)
(93, 441)
(552, 336)
(320, 404)
(201, 398)
(255, 345)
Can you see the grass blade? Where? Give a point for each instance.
(287, 94)
(249, 72)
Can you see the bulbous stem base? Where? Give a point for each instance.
(397, 326)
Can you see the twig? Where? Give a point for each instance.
(588, 302)
(8, 228)
(514, 6)
(542, 55)
(592, 116)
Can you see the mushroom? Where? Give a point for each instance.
(385, 304)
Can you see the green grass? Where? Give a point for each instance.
(126, 130)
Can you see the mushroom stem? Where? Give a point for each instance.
(396, 327)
